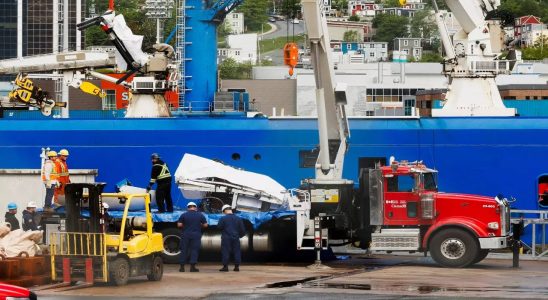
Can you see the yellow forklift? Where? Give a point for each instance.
(92, 246)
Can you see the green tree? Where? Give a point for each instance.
(390, 27)
(538, 52)
(255, 13)
(422, 26)
(231, 69)
(223, 30)
(431, 57)
(290, 8)
(354, 18)
(340, 5)
(351, 36)
(392, 3)
(511, 9)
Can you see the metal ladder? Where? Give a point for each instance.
(180, 50)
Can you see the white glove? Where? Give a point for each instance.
(48, 184)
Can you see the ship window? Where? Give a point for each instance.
(235, 156)
(257, 157)
(109, 102)
(543, 191)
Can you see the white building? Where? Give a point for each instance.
(235, 21)
(384, 88)
(535, 33)
(241, 47)
(363, 8)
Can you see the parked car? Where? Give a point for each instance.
(295, 21)
(272, 19)
(8, 291)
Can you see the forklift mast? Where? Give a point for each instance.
(84, 196)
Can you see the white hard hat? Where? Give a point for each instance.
(31, 204)
(226, 206)
(191, 204)
(105, 205)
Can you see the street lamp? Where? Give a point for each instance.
(159, 9)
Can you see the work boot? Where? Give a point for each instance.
(237, 268)
(224, 269)
(182, 268)
(193, 268)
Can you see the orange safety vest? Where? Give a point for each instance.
(63, 175)
(53, 175)
(63, 172)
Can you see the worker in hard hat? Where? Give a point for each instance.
(232, 228)
(29, 214)
(106, 217)
(50, 178)
(11, 216)
(191, 222)
(63, 173)
(162, 177)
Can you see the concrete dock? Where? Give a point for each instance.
(377, 277)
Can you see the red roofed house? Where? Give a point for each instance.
(523, 26)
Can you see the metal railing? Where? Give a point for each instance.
(533, 218)
(496, 67)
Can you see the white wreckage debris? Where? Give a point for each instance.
(12, 243)
(199, 177)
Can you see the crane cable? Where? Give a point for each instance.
(291, 50)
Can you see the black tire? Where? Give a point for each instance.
(454, 248)
(156, 270)
(482, 254)
(119, 271)
(172, 249)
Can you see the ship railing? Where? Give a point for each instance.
(533, 218)
(495, 67)
(190, 106)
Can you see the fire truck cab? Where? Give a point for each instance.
(408, 213)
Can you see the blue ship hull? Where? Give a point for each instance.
(484, 156)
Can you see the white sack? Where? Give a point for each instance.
(18, 241)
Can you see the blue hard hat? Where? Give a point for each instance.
(12, 205)
(155, 156)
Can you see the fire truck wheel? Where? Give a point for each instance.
(454, 248)
(157, 269)
(172, 249)
(119, 271)
(482, 254)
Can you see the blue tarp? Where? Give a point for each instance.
(256, 218)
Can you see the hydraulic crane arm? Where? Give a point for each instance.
(223, 7)
(471, 13)
(330, 100)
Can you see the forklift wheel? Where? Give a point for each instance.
(119, 271)
(157, 269)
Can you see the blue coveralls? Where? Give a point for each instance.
(191, 238)
(28, 221)
(232, 230)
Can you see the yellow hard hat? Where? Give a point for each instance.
(52, 153)
(403, 2)
(64, 152)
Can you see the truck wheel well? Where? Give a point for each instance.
(448, 227)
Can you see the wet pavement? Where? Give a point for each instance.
(379, 277)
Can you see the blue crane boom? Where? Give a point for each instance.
(200, 49)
